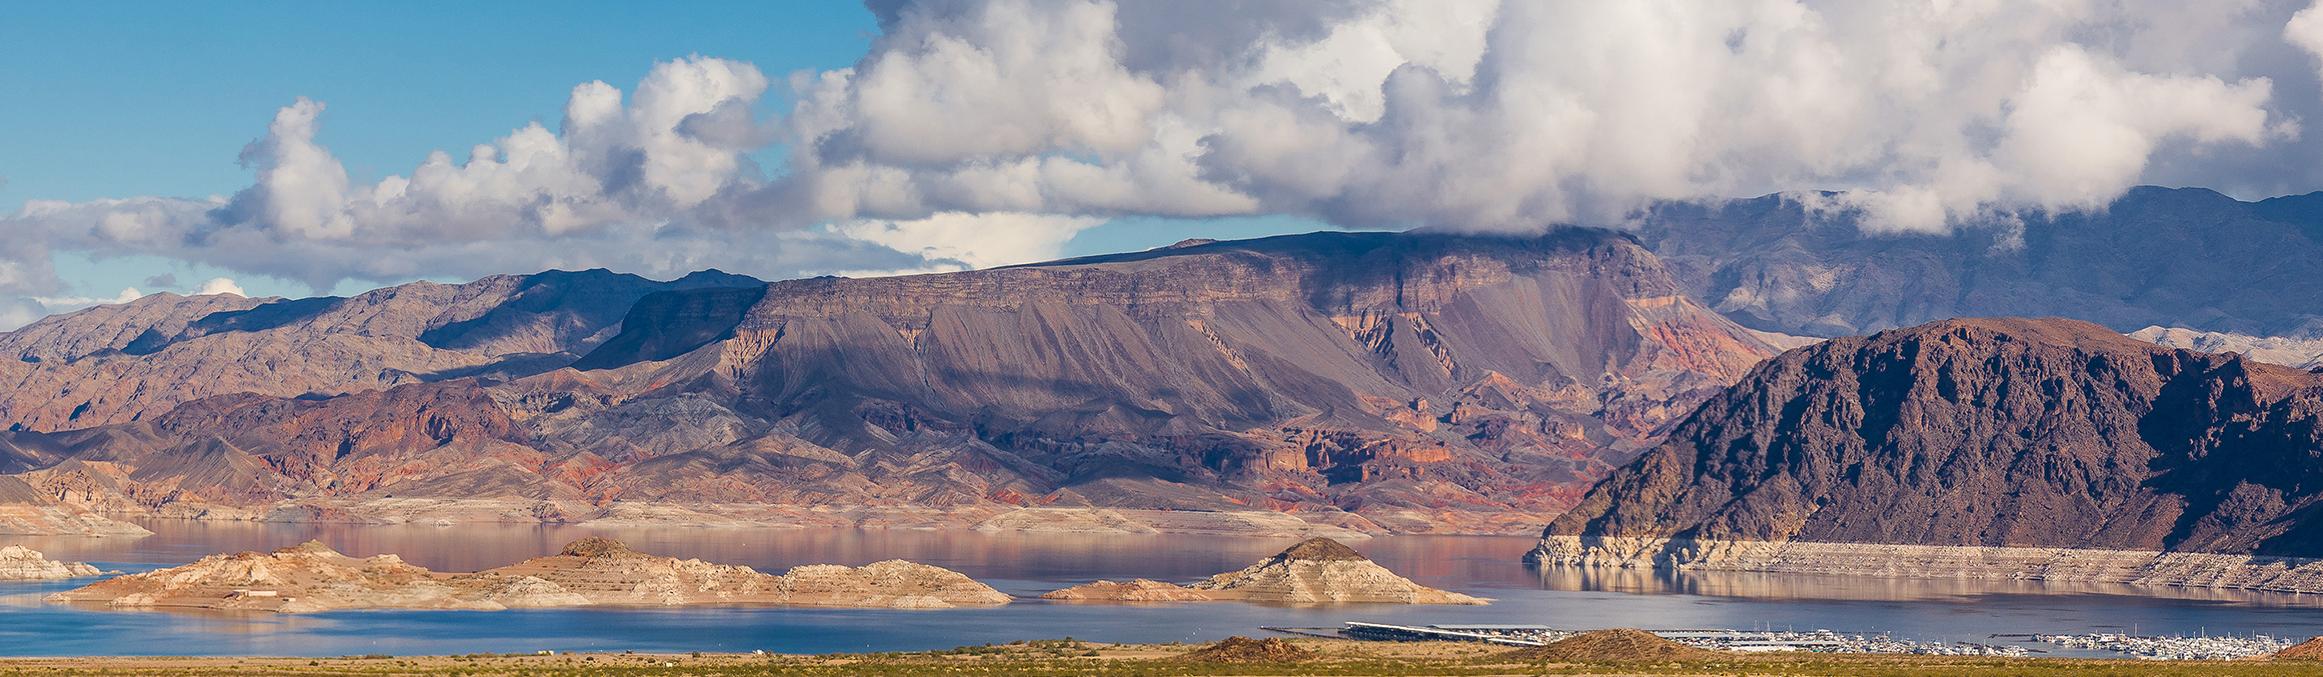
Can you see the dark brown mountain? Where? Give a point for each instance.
(2004, 432)
(2185, 257)
(1398, 381)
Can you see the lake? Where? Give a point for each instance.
(1030, 564)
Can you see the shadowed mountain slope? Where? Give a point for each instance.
(2003, 432)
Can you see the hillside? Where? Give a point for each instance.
(1381, 381)
(2003, 433)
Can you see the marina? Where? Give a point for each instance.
(2173, 647)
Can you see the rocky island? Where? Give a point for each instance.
(590, 572)
(602, 571)
(19, 563)
(1316, 571)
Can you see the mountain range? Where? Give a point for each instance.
(1370, 381)
(2173, 257)
(1341, 382)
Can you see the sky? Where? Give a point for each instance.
(159, 98)
(276, 148)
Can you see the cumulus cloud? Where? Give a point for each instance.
(959, 240)
(1484, 115)
(986, 132)
(2305, 30)
(615, 185)
(63, 303)
(219, 285)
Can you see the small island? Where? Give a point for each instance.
(1316, 571)
(589, 572)
(19, 563)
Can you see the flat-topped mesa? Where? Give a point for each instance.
(588, 572)
(1316, 571)
(19, 563)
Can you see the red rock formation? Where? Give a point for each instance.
(2003, 432)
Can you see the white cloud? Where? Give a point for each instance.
(58, 304)
(302, 189)
(979, 132)
(2305, 29)
(973, 240)
(1024, 77)
(1484, 115)
(219, 285)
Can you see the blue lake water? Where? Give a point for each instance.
(1030, 564)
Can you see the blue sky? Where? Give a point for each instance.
(111, 99)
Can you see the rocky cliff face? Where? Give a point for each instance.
(1978, 433)
(1375, 380)
(2171, 257)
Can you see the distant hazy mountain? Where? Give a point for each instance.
(2169, 257)
(124, 362)
(2005, 432)
(2301, 352)
(1411, 381)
